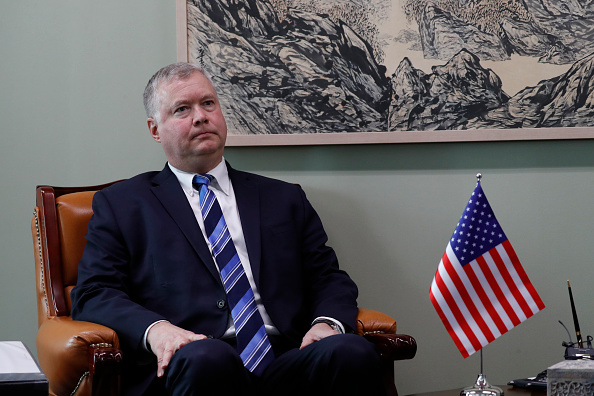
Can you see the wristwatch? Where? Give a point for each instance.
(330, 323)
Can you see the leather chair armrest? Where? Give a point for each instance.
(380, 329)
(371, 321)
(393, 346)
(71, 351)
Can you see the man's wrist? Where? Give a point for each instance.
(145, 342)
(336, 325)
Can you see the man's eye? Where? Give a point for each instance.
(181, 109)
(209, 103)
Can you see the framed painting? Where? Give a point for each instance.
(297, 72)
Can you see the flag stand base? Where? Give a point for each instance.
(482, 388)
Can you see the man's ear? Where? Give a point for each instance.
(153, 129)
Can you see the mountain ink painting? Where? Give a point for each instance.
(285, 67)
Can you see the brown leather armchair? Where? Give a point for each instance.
(81, 358)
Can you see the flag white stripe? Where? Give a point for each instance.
(450, 317)
(484, 283)
(517, 280)
(468, 317)
(504, 288)
(470, 288)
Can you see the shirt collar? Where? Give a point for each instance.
(221, 178)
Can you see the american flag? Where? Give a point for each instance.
(480, 289)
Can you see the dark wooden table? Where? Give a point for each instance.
(507, 391)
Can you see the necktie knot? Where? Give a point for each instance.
(200, 181)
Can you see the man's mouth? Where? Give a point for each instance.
(203, 134)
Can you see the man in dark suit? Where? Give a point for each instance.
(149, 270)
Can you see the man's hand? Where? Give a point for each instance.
(316, 333)
(165, 339)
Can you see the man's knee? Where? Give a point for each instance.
(350, 350)
(342, 365)
(203, 365)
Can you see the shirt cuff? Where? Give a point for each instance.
(340, 326)
(144, 339)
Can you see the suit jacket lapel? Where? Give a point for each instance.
(247, 195)
(168, 190)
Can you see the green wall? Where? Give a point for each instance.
(72, 73)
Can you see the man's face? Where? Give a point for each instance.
(192, 129)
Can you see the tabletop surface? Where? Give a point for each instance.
(507, 391)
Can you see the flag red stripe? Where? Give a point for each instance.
(470, 305)
(453, 304)
(487, 303)
(509, 281)
(511, 253)
(448, 326)
(497, 290)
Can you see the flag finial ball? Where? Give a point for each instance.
(479, 176)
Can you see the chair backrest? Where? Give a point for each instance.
(59, 226)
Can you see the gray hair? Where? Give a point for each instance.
(175, 71)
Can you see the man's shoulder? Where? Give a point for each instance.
(260, 180)
(135, 183)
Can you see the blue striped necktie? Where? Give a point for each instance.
(253, 344)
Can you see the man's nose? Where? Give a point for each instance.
(200, 117)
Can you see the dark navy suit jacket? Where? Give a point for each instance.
(146, 260)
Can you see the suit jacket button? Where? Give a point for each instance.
(221, 304)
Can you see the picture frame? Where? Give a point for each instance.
(186, 33)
